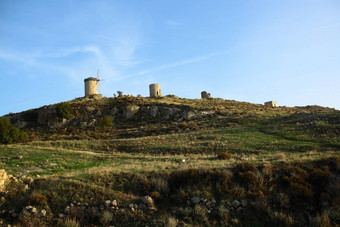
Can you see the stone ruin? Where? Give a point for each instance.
(155, 90)
(205, 95)
(91, 84)
(271, 104)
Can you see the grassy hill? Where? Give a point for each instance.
(203, 162)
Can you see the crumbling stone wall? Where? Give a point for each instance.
(205, 95)
(271, 103)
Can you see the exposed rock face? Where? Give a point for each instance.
(153, 111)
(130, 111)
(3, 179)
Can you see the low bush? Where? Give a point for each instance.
(9, 133)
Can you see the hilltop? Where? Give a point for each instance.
(138, 117)
(134, 161)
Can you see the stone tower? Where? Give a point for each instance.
(90, 86)
(155, 90)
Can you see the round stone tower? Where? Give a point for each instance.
(155, 90)
(90, 86)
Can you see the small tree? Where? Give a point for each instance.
(9, 133)
(64, 110)
(120, 93)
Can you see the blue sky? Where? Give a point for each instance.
(254, 51)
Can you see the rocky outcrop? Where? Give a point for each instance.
(130, 111)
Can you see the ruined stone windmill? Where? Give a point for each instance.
(91, 85)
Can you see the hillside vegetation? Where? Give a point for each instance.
(133, 161)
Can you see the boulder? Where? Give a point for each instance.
(235, 203)
(3, 179)
(147, 200)
(42, 213)
(195, 200)
(114, 111)
(114, 203)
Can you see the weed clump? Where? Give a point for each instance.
(9, 133)
(224, 156)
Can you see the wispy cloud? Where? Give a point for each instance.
(175, 64)
(319, 28)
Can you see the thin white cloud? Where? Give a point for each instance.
(174, 64)
(319, 28)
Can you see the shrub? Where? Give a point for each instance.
(30, 115)
(321, 220)
(200, 215)
(106, 122)
(247, 166)
(281, 219)
(247, 178)
(15, 190)
(224, 156)
(298, 186)
(9, 133)
(64, 110)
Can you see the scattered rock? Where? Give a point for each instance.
(33, 210)
(67, 210)
(42, 213)
(235, 203)
(147, 200)
(114, 203)
(28, 180)
(107, 203)
(195, 200)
